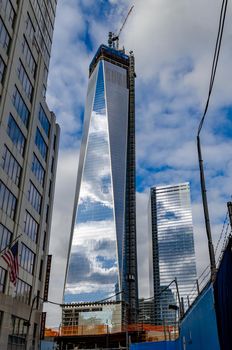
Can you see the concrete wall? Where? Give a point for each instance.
(199, 327)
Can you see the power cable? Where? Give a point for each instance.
(200, 159)
(215, 59)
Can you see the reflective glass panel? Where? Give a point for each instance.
(93, 265)
(173, 248)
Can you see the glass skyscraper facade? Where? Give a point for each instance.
(102, 222)
(172, 252)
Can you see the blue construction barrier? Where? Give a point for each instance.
(47, 345)
(223, 298)
(163, 345)
(198, 329)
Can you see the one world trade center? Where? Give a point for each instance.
(102, 259)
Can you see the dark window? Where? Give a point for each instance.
(23, 292)
(2, 279)
(2, 69)
(31, 227)
(38, 301)
(27, 259)
(52, 165)
(16, 135)
(54, 142)
(8, 10)
(5, 237)
(44, 121)
(28, 56)
(4, 37)
(29, 28)
(25, 81)
(44, 240)
(41, 144)
(41, 269)
(17, 339)
(34, 197)
(11, 166)
(20, 106)
(7, 201)
(47, 214)
(44, 91)
(38, 169)
(50, 188)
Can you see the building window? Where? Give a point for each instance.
(25, 81)
(54, 142)
(44, 240)
(23, 292)
(20, 106)
(34, 197)
(41, 144)
(2, 279)
(41, 269)
(50, 188)
(31, 227)
(29, 28)
(17, 338)
(44, 121)
(28, 57)
(11, 166)
(16, 135)
(8, 10)
(4, 37)
(52, 165)
(47, 214)
(38, 170)
(27, 259)
(5, 237)
(7, 201)
(2, 69)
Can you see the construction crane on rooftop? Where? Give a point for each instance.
(113, 40)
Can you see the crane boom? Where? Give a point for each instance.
(129, 12)
(115, 38)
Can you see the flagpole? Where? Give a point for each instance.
(10, 244)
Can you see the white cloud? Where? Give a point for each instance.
(173, 43)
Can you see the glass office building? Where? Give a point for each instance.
(172, 252)
(102, 256)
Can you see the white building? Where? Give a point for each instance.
(29, 139)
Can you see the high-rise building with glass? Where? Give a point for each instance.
(172, 252)
(102, 257)
(29, 139)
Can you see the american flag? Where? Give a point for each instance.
(11, 258)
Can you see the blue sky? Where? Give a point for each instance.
(173, 42)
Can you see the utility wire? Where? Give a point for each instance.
(215, 59)
(200, 159)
